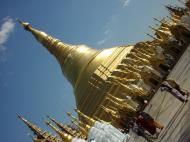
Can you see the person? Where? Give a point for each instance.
(147, 104)
(146, 121)
(173, 88)
(140, 131)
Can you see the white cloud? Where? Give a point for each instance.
(106, 34)
(5, 30)
(102, 41)
(107, 30)
(126, 3)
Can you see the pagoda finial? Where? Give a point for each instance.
(34, 128)
(42, 37)
(90, 120)
(70, 115)
(164, 23)
(157, 20)
(61, 126)
(64, 136)
(80, 123)
(160, 33)
(174, 19)
(153, 37)
(174, 10)
(83, 130)
(25, 25)
(154, 29)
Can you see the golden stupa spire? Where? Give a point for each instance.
(157, 39)
(70, 115)
(39, 132)
(154, 29)
(176, 11)
(162, 34)
(86, 126)
(64, 136)
(80, 125)
(174, 19)
(72, 58)
(163, 23)
(89, 120)
(61, 126)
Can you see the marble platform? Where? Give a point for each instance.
(174, 114)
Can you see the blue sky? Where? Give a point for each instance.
(31, 82)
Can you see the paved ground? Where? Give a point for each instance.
(170, 111)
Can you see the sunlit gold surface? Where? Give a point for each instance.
(79, 62)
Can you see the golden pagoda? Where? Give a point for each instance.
(85, 68)
(42, 136)
(64, 128)
(110, 81)
(64, 136)
(94, 73)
